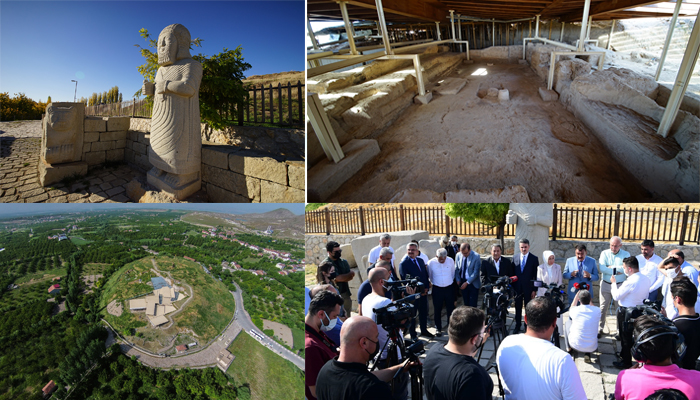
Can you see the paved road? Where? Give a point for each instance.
(207, 356)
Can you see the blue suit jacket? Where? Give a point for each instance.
(407, 267)
(473, 269)
(589, 265)
(525, 276)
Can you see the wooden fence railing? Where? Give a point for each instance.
(679, 225)
(131, 108)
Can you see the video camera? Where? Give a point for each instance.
(556, 293)
(391, 316)
(652, 308)
(500, 282)
(398, 288)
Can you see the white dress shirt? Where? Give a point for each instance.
(633, 291)
(497, 264)
(649, 268)
(441, 274)
(671, 310)
(691, 272)
(374, 255)
(534, 369)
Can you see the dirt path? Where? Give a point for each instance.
(281, 331)
(467, 141)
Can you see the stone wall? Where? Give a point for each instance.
(104, 139)
(563, 249)
(232, 173)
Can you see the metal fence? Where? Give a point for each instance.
(678, 225)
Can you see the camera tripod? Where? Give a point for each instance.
(397, 345)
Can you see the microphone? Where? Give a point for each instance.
(513, 279)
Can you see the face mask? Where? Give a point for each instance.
(336, 254)
(454, 243)
(376, 349)
(671, 273)
(331, 323)
(385, 287)
(626, 271)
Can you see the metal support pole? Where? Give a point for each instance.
(437, 26)
(311, 34)
(588, 31)
(459, 30)
(493, 36)
(537, 26)
(669, 34)
(348, 27)
(379, 28)
(452, 23)
(612, 28)
(561, 35)
(382, 21)
(682, 79)
(584, 19)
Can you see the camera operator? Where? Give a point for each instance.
(685, 295)
(633, 291)
(581, 329)
(531, 367)
(441, 271)
(319, 348)
(468, 274)
(416, 268)
(375, 300)
(343, 273)
(656, 348)
(610, 261)
(346, 377)
(366, 287)
(580, 269)
(450, 371)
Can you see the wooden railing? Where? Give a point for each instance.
(678, 225)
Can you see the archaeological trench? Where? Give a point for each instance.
(493, 132)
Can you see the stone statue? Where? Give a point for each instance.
(176, 144)
(62, 139)
(533, 221)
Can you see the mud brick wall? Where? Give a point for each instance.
(104, 139)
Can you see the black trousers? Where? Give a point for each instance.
(443, 295)
(520, 302)
(625, 337)
(422, 304)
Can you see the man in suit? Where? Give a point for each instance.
(525, 265)
(414, 267)
(468, 274)
(452, 248)
(580, 269)
(495, 264)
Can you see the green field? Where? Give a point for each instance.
(269, 375)
(94, 268)
(298, 336)
(42, 276)
(25, 294)
(78, 241)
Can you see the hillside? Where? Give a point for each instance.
(274, 79)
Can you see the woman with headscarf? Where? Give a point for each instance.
(549, 272)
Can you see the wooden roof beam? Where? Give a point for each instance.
(607, 7)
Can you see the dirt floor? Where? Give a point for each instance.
(473, 141)
(281, 331)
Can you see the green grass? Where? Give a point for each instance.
(298, 336)
(269, 375)
(42, 275)
(78, 241)
(313, 206)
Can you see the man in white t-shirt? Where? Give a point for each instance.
(375, 300)
(581, 329)
(531, 367)
(384, 241)
(648, 266)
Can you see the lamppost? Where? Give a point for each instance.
(76, 90)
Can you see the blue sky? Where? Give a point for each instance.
(46, 44)
(9, 210)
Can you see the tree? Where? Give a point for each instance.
(491, 214)
(48, 101)
(221, 86)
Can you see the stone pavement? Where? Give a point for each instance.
(598, 376)
(19, 181)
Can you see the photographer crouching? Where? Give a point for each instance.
(450, 371)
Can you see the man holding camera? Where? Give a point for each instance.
(318, 348)
(580, 269)
(468, 274)
(656, 348)
(376, 300)
(525, 266)
(450, 371)
(580, 331)
(414, 267)
(441, 271)
(346, 377)
(610, 264)
(344, 274)
(531, 367)
(685, 298)
(633, 291)
(648, 266)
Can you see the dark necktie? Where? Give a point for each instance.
(415, 261)
(580, 269)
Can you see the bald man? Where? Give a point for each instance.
(346, 377)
